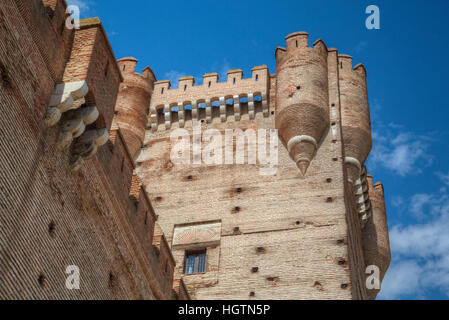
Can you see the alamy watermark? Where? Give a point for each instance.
(72, 282)
(213, 148)
(73, 20)
(373, 20)
(373, 278)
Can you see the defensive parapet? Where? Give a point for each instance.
(355, 116)
(302, 96)
(169, 105)
(133, 102)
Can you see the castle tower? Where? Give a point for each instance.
(376, 242)
(355, 115)
(133, 102)
(257, 235)
(302, 96)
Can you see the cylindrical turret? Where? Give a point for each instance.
(133, 103)
(376, 242)
(302, 96)
(355, 116)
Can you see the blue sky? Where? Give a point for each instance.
(408, 67)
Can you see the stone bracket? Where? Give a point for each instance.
(63, 98)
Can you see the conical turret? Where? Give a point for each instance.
(302, 97)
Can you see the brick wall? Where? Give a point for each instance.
(304, 236)
(52, 217)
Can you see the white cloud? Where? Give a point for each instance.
(421, 251)
(404, 153)
(401, 279)
(444, 178)
(418, 202)
(397, 201)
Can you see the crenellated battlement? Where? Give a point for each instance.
(299, 41)
(169, 105)
(345, 64)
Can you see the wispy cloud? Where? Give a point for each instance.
(444, 177)
(225, 67)
(403, 153)
(397, 201)
(419, 202)
(174, 76)
(360, 46)
(420, 251)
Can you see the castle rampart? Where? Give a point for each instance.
(227, 94)
(87, 178)
(253, 212)
(69, 195)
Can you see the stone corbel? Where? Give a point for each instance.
(87, 146)
(181, 114)
(167, 116)
(222, 109)
(153, 118)
(251, 111)
(208, 111)
(75, 124)
(237, 108)
(195, 112)
(64, 95)
(265, 109)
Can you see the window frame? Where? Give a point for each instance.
(196, 254)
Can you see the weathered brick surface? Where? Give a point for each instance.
(308, 226)
(128, 217)
(133, 103)
(92, 60)
(52, 217)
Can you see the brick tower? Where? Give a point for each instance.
(307, 231)
(133, 102)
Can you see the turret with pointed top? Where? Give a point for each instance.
(302, 97)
